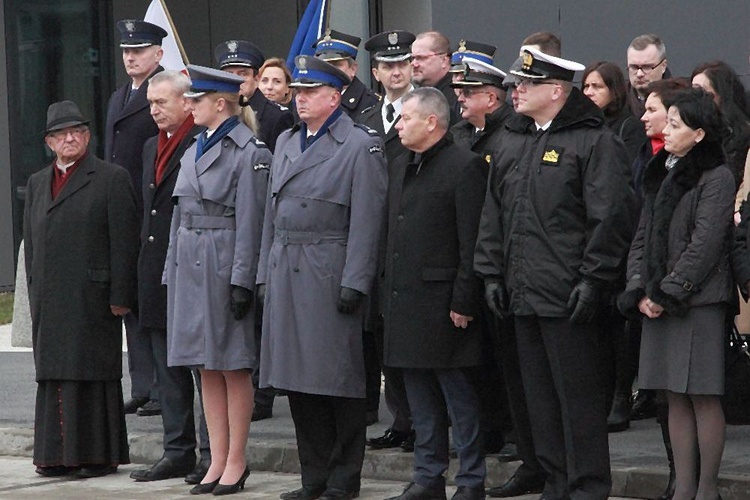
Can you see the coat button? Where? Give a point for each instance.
(151, 239)
(197, 263)
(153, 212)
(394, 294)
(400, 217)
(395, 256)
(152, 186)
(296, 269)
(303, 205)
(198, 231)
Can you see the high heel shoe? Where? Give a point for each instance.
(229, 489)
(203, 488)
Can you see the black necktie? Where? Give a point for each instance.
(389, 110)
(310, 139)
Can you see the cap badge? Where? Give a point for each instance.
(527, 60)
(302, 63)
(130, 26)
(462, 46)
(232, 46)
(393, 38)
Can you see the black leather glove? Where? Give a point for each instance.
(240, 301)
(349, 300)
(260, 292)
(494, 294)
(584, 301)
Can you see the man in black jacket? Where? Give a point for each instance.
(431, 63)
(433, 309)
(555, 232)
(128, 126)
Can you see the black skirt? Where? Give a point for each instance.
(80, 423)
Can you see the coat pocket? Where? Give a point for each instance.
(439, 273)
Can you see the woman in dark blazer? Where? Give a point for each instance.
(680, 281)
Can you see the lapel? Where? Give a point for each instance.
(138, 101)
(189, 168)
(174, 162)
(392, 133)
(80, 178)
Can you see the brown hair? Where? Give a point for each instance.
(643, 41)
(548, 42)
(614, 80)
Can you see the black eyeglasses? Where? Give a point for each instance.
(646, 68)
(470, 91)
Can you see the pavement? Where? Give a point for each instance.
(639, 465)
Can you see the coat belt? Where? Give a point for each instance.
(191, 221)
(285, 237)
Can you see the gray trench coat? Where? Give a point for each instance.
(324, 212)
(214, 243)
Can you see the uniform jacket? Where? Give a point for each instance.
(357, 98)
(157, 217)
(444, 86)
(81, 251)
(680, 254)
(373, 118)
(214, 243)
(434, 204)
(630, 129)
(273, 118)
(559, 208)
(127, 128)
(324, 213)
(486, 142)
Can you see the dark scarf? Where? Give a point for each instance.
(205, 143)
(59, 179)
(662, 194)
(166, 146)
(307, 142)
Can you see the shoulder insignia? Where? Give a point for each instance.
(262, 166)
(258, 142)
(367, 129)
(367, 109)
(380, 97)
(375, 149)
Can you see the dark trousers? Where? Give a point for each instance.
(264, 397)
(560, 370)
(431, 393)
(330, 439)
(372, 370)
(205, 446)
(508, 355)
(177, 398)
(140, 360)
(395, 392)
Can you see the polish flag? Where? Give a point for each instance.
(174, 55)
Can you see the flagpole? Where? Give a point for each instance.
(174, 31)
(328, 15)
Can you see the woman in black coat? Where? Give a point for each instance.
(679, 280)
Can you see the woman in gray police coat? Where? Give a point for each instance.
(211, 266)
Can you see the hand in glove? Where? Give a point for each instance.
(349, 300)
(584, 301)
(240, 301)
(494, 294)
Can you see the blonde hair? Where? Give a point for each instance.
(246, 113)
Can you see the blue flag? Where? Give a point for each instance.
(310, 29)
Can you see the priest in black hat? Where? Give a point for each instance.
(81, 242)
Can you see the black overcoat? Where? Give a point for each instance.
(372, 117)
(357, 98)
(127, 128)
(434, 205)
(157, 218)
(81, 250)
(488, 141)
(273, 118)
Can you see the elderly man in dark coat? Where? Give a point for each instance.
(81, 236)
(324, 211)
(128, 126)
(433, 299)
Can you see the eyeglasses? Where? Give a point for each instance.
(63, 134)
(531, 82)
(646, 68)
(469, 91)
(423, 57)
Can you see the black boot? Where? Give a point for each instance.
(619, 416)
(669, 491)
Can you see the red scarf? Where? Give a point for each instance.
(59, 179)
(167, 146)
(657, 143)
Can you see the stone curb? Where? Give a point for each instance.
(281, 456)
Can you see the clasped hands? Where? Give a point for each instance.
(650, 308)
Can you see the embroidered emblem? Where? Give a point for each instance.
(375, 149)
(130, 26)
(528, 60)
(262, 166)
(232, 46)
(551, 156)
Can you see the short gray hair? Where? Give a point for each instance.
(643, 41)
(431, 102)
(178, 80)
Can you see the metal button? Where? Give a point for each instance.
(153, 212)
(395, 255)
(151, 239)
(400, 217)
(395, 294)
(152, 186)
(304, 205)
(198, 231)
(296, 269)
(197, 263)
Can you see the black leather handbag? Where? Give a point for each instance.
(736, 400)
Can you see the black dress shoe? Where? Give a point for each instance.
(391, 439)
(231, 489)
(199, 471)
(55, 470)
(204, 488)
(508, 453)
(408, 444)
(95, 471)
(337, 494)
(466, 493)
(165, 468)
(517, 486)
(261, 413)
(644, 405)
(132, 405)
(304, 493)
(619, 416)
(150, 409)
(418, 492)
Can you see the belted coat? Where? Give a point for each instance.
(324, 211)
(214, 243)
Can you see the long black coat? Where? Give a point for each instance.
(157, 218)
(357, 98)
(372, 117)
(433, 215)
(81, 250)
(127, 128)
(488, 141)
(273, 118)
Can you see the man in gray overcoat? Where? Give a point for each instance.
(323, 219)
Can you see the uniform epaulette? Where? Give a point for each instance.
(259, 143)
(367, 109)
(367, 129)
(280, 106)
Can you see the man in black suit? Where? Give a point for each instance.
(245, 59)
(391, 67)
(431, 63)
(128, 126)
(340, 50)
(433, 300)
(161, 164)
